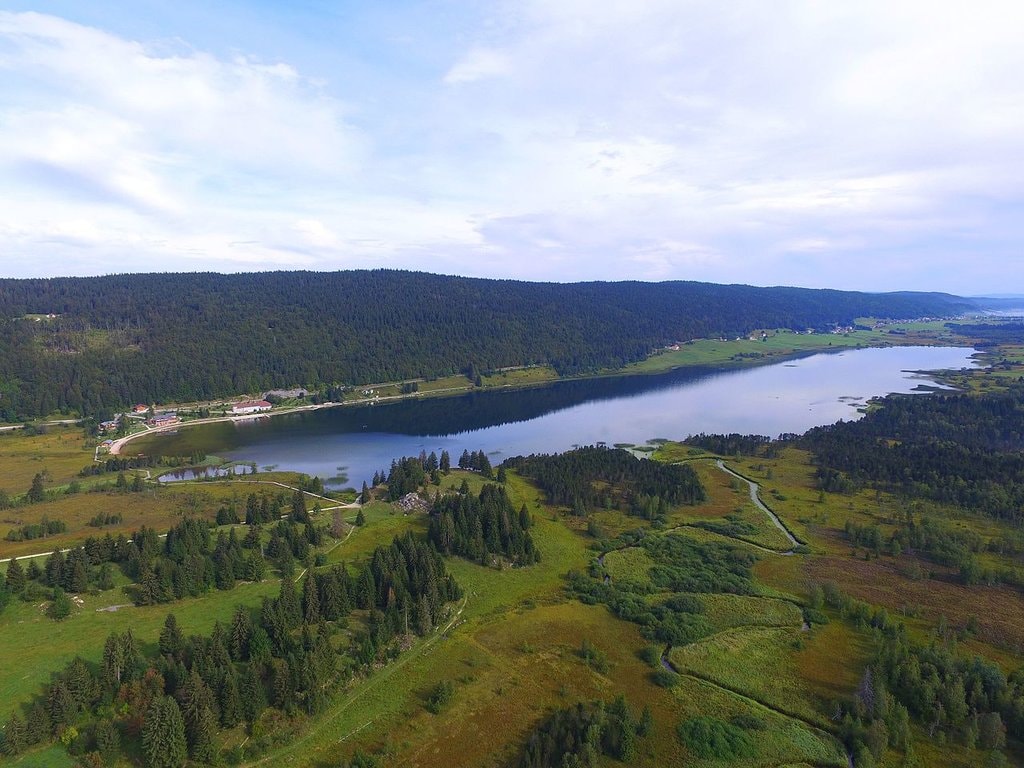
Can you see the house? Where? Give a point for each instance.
(250, 406)
(163, 419)
(140, 408)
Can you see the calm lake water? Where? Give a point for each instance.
(346, 445)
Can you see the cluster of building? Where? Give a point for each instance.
(163, 419)
(250, 406)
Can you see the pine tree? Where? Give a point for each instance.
(14, 740)
(113, 663)
(36, 492)
(163, 734)
(360, 518)
(310, 599)
(253, 696)
(60, 607)
(55, 569)
(240, 634)
(15, 577)
(229, 699)
(197, 703)
(171, 640)
(108, 741)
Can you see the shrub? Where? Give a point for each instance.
(650, 655)
(594, 658)
(440, 696)
(709, 737)
(665, 678)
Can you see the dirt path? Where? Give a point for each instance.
(350, 505)
(755, 496)
(372, 683)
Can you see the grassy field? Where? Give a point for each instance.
(61, 452)
(513, 656)
(783, 343)
(630, 564)
(511, 648)
(34, 646)
(758, 662)
(158, 506)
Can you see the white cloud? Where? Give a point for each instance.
(478, 64)
(568, 140)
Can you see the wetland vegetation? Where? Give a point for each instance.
(583, 608)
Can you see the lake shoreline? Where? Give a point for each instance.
(118, 444)
(783, 396)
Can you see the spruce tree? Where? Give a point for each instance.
(310, 599)
(15, 577)
(171, 640)
(197, 703)
(229, 699)
(14, 740)
(256, 566)
(240, 634)
(259, 647)
(55, 569)
(36, 492)
(62, 706)
(253, 695)
(113, 663)
(60, 606)
(163, 734)
(38, 725)
(108, 741)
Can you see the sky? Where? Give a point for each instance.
(876, 145)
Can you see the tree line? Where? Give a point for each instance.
(578, 736)
(954, 697)
(597, 477)
(961, 450)
(483, 526)
(168, 705)
(123, 339)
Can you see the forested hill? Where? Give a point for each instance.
(162, 337)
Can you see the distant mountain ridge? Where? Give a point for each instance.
(90, 344)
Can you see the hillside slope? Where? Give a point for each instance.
(91, 344)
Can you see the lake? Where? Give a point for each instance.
(346, 445)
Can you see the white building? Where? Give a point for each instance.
(250, 406)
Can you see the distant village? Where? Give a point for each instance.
(147, 417)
